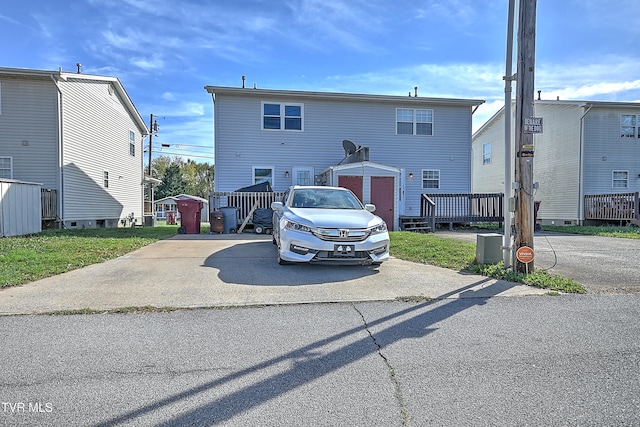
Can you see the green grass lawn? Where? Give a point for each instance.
(27, 258)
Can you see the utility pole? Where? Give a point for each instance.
(150, 144)
(524, 140)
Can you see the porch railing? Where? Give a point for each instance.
(622, 207)
(245, 202)
(462, 208)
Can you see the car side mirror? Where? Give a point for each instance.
(369, 207)
(277, 206)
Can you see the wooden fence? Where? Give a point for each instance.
(245, 202)
(621, 207)
(462, 208)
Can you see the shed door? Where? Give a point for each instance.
(382, 195)
(353, 183)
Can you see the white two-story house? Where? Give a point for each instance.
(78, 135)
(586, 148)
(387, 149)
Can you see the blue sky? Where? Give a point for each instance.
(165, 51)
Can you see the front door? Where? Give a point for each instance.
(382, 195)
(353, 183)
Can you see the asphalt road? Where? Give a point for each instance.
(603, 265)
(552, 361)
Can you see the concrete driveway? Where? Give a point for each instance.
(235, 270)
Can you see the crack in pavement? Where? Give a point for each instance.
(404, 411)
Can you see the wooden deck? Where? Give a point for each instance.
(463, 208)
(623, 208)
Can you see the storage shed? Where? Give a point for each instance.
(20, 211)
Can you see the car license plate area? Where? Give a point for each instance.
(344, 251)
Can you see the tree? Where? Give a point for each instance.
(180, 177)
(172, 182)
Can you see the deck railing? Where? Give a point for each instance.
(245, 202)
(462, 208)
(622, 207)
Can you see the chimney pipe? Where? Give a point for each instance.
(243, 79)
(539, 92)
(416, 91)
(79, 65)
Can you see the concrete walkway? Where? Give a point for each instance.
(235, 270)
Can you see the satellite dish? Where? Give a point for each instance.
(349, 147)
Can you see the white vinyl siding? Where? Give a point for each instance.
(6, 167)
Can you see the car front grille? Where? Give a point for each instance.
(342, 234)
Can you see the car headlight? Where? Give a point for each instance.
(380, 228)
(290, 225)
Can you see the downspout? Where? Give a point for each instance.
(60, 177)
(581, 167)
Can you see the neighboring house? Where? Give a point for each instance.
(586, 148)
(78, 135)
(167, 204)
(399, 147)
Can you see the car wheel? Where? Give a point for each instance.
(259, 229)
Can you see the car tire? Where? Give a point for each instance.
(259, 229)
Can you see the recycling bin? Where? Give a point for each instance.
(189, 216)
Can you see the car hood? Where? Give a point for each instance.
(333, 218)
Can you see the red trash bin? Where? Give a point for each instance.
(189, 216)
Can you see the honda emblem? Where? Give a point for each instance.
(343, 234)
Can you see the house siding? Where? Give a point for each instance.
(28, 129)
(96, 128)
(575, 155)
(606, 151)
(240, 142)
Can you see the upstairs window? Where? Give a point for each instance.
(414, 122)
(620, 179)
(132, 143)
(629, 126)
(486, 154)
(282, 116)
(6, 167)
(105, 179)
(430, 179)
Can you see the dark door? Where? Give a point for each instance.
(382, 196)
(353, 183)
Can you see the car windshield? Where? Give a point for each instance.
(324, 199)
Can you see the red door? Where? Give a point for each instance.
(353, 183)
(382, 195)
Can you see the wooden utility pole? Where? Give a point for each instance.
(524, 213)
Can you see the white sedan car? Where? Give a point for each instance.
(329, 225)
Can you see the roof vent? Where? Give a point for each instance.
(79, 65)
